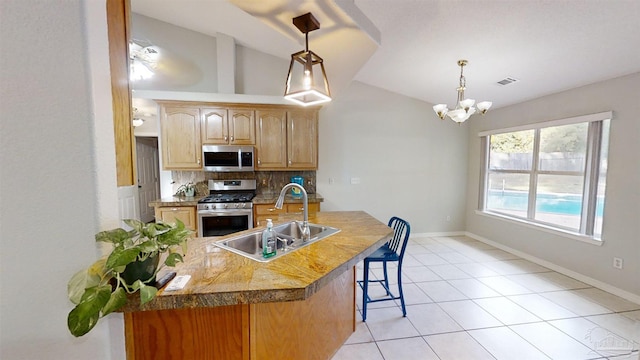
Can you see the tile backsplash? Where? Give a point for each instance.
(267, 182)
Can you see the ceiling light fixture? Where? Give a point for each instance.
(307, 82)
(464, 107)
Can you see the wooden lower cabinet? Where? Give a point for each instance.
(262, 212)
(311, 329)
(186, 214)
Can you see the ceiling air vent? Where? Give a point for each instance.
(507, 81)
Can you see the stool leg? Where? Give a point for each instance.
(365, 288)
(386, 278)
(404, 310)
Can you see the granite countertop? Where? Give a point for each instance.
(220, 277)
(258, 199)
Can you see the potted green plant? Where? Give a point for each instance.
(188, 189)
(131, 266)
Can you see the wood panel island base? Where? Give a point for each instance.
(298, 306)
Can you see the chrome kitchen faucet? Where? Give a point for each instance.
(306, 234)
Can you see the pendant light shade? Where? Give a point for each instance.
(307, 82)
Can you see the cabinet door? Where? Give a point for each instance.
(181, 145)
(215, 128)
(186, 214)
(302, 139)
(242, 127)
(271, 140)
(295, 208)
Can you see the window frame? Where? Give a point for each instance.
(591, 175)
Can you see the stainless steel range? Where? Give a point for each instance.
(227, 209)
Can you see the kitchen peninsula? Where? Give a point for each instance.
(299, 306)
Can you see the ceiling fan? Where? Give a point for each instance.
(143, 58)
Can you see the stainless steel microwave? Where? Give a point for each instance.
(227, 158)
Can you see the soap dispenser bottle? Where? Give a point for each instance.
(269, 241)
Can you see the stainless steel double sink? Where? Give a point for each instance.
(250, 244)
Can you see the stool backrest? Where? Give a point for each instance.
(401, 230)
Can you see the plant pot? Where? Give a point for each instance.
(141, 270)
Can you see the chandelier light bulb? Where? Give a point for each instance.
(464, 107)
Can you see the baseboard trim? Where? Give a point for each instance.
(435, 234)
(585, 279)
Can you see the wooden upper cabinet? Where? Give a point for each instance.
(222, 126)
(242, 127)
(181, 145)
(271, 139)
(302, 139)
(215, 126)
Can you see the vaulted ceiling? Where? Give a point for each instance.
(411, 46)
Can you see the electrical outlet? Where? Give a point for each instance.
(617, 263)
(448, 218)
(355, 181)
(331, 180)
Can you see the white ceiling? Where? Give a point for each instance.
(548, 45)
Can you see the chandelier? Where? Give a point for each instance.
(464, 107)
(307, 82)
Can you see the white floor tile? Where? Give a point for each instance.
(542, 307)
(469, 315)
(553, 342)
(576, 303)
(409, 261)
(438, 248)
(476, 270)
(457, 346)
(366, 351)
(627, 330)
(607, 300)
(565, 282)
(419, 274)
(504, 286)
(635, 315)
(431, 319)
(361, 335)
(388, 323)
(430, 259)
(415, 248)
(440, 291)
(454, 257)
(538, 282)
(582, 330)
(506, 311)
(473, 288)
(510, 267)
(406, 349)
(504, 344)
(414, 295)
(448, 272)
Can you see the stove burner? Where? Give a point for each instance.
(226, 198)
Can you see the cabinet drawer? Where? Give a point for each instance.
(186, 214)
(298, 208)
(268, 209)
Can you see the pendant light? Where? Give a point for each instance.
(307, 82)
(464, 107)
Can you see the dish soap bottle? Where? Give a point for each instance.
(269, 241)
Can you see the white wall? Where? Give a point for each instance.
(621, 232)
(53, 103)
(410, 163)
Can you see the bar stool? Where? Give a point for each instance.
(387, 253)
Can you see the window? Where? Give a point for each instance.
(552, 173)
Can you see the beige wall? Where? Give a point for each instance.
(621, 232)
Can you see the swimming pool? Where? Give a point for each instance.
(565, 204)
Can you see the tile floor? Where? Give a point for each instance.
(468, 300)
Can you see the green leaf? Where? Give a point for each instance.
(147, 293)
(173, 259)
(87, 313)
(148, 246)
(115, 236)
(79, 282)
(116, 301)
(137, 225)
(136, 285)
(121, 257)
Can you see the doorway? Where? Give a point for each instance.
(148, 175)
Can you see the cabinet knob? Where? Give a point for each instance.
(226, 138)
(289, 161)
(198, 161)
(259, 162)
(271, 210)
(232, 138)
